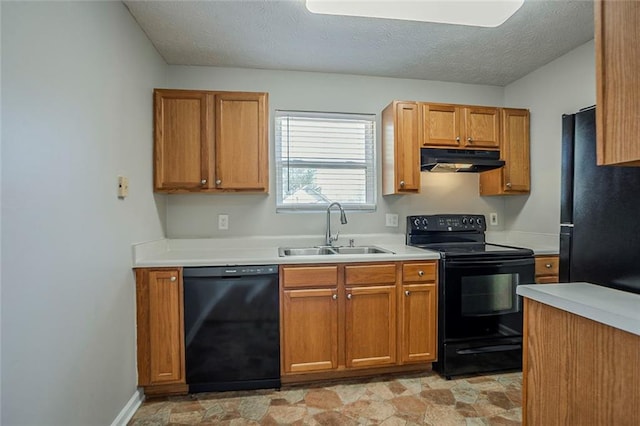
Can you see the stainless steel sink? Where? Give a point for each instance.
(320, 251)
(361, 250)
(305, 251)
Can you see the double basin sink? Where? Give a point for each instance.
(326, 250)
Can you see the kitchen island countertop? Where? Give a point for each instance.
(615, 308)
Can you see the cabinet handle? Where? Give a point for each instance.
(218, 181)
(173, 279)
(457, 138)
(401, 184)
(349, 296)
(421, 273)
(203, 182)
(407, 293)
(334, 297)
(508, 184)
(470, 140)
(548, 265)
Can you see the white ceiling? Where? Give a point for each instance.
(283, 35)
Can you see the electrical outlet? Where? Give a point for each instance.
(493, 219)
(391, 220)
(123, 186)
(223, 222)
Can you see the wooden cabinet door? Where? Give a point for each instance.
(309, 330)
(183, 137)
(370, 335)
(407, 150)
(515, 177)
(419, 323)
(160, 328)
(441, 125)
(482, 127)
(241, 147)
(617, 82)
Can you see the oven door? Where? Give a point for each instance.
(479, 297)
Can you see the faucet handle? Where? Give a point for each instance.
(351, 242)
(336, 237)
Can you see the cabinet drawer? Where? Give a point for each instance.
(546, 265)
(370, 274)
(547, 279)
(419, 272)
(310, 276)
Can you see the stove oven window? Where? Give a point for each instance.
(488, 294)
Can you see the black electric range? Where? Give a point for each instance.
(479, 312)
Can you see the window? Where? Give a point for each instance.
(325, 157)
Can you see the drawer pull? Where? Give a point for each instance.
(421, 273)
(548, 265)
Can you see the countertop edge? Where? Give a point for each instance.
(590, 301)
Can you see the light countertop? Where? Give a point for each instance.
(264, 251)
(619, 309)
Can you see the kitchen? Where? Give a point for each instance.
(80, 123)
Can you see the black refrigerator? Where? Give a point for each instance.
(600, 211)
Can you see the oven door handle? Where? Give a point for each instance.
(483, 263)
(488, 349)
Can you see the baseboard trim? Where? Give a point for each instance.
(129, 409)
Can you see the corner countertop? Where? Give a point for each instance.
(541, 244)
(616, 308)
(264, 251)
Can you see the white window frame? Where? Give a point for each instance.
(283, 163)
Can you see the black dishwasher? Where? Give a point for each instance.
(231, 324)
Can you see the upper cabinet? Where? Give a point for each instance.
(515, 177)
(210, 141)
(617, 82)
(460, 127)
(401, 148)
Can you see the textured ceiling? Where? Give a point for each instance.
(283, 35)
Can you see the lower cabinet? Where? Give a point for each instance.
(160, 330)
(349, 317)
(547, 269)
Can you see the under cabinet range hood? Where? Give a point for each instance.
(459, 160)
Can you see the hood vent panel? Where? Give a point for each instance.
(459, 160)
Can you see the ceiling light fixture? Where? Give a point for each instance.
(479, 13)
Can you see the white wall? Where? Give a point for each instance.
(560, 87)
(77, 80)
(194, 215)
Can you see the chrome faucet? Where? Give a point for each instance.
(328, 239)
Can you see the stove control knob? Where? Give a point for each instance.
(479, 221)
(464, 220)
(416, 222)
(472, 221)
(425, 222)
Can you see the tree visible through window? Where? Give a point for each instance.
(325, 157)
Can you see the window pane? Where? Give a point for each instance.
(325, 157)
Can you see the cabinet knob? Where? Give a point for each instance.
(470, 140)
(407, 293)
(548, 266)
(173, 278)
(421, 273)
(334, 297)
(401, 184)
(509, 185)
(457, 138)
(218, 181)
(349, 296)
(203, 182)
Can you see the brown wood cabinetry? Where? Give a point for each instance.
(460, 126)
(160, 335)
(401, 148)
(209, 141)
(515, 176)
(344, 318)
(617, 82)
(547, 269)
(418, 312)
(577, 371)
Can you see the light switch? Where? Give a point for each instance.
(391, 220)
(123, 186)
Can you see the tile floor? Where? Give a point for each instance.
(418, 399)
